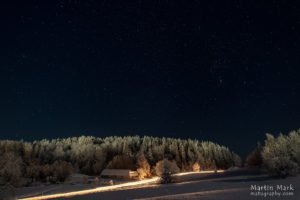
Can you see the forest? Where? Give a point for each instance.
(24, 163)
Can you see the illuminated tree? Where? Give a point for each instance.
(277, 156)
(143, 166)
(11, 168)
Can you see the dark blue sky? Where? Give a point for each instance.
(223, 71)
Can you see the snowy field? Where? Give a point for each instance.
(228, 185)
(205, 188)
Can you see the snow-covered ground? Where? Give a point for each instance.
(67, 189)
(81, 192)
(227, 185)
(213, 187)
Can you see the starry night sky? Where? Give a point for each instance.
(223, 71)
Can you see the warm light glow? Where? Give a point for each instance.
(95, 190)
(201, 172)
(113, 187)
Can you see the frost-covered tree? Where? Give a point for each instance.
(166, 165)
(143, 167)
(294, 142)
(61, 170)
(255, 157)
(165, 169)
(11, 168)
(121, 162)
(278, 156)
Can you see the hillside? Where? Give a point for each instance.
(51, 161)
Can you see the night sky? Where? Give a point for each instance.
(226, 71)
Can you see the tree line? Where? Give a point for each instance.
(54, 160)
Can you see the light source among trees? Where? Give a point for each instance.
(54, 160)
